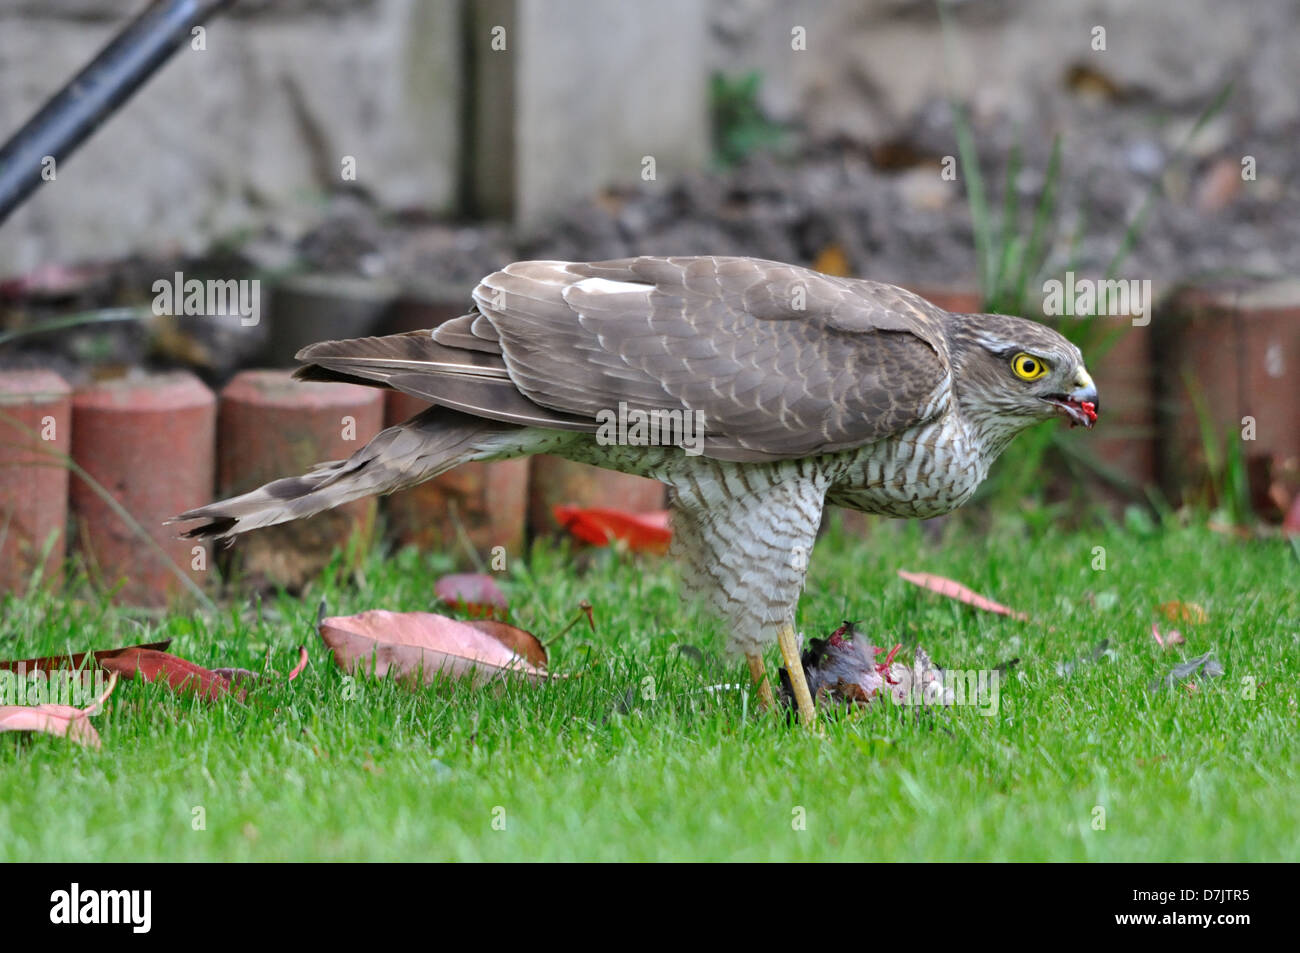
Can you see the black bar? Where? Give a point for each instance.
(96, 92)
(953, 906)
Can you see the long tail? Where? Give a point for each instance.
(430, 443)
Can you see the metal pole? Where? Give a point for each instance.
(95, 93)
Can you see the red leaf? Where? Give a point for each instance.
(955, 590)
(150, 662)
(53, 663)
(181, 674)
(421, 645)
(473, 592)
(642, 532)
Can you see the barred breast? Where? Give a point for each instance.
(919, 473)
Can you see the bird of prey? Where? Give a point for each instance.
(787, 389)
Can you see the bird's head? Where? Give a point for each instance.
(1010, 373)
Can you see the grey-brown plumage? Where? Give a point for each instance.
(807, 388)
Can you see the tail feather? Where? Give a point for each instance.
(474, 380)
(430, 443)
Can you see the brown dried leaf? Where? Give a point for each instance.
(1176, 611)
(411, 645)
(514, 638)
(955, 590)
(53, 663)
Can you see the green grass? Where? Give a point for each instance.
(302, 772)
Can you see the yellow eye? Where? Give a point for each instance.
(1027, 367)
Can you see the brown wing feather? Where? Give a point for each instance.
(781, 361)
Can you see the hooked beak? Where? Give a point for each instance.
(1081, 405)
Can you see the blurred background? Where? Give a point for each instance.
(366, 162)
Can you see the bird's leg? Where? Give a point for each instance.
(794, 668)
(758, 671)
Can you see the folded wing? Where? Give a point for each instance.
(779, 361)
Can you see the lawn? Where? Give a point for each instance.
(637, 759)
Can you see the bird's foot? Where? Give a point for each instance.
(794, 669)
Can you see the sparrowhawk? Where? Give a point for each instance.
(802, 388)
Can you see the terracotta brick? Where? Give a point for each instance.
(272, 426)
(1238, 344)
(556, 480)
(149, 442)
(958, 299)
(488, 500)
(1124, 439)
(35, 425)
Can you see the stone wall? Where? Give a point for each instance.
(248, 131)
(251, 132)
(869, 66)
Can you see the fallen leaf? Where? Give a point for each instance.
(234, 676)
(411, 645)
(181, 674)
(1183, 612)
(302, 663)
(150, 661)
(1174, 637)
(955, 590)
(64, 721)
(473, 592)
(642, 532)
(518, 640)
(53, 663)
